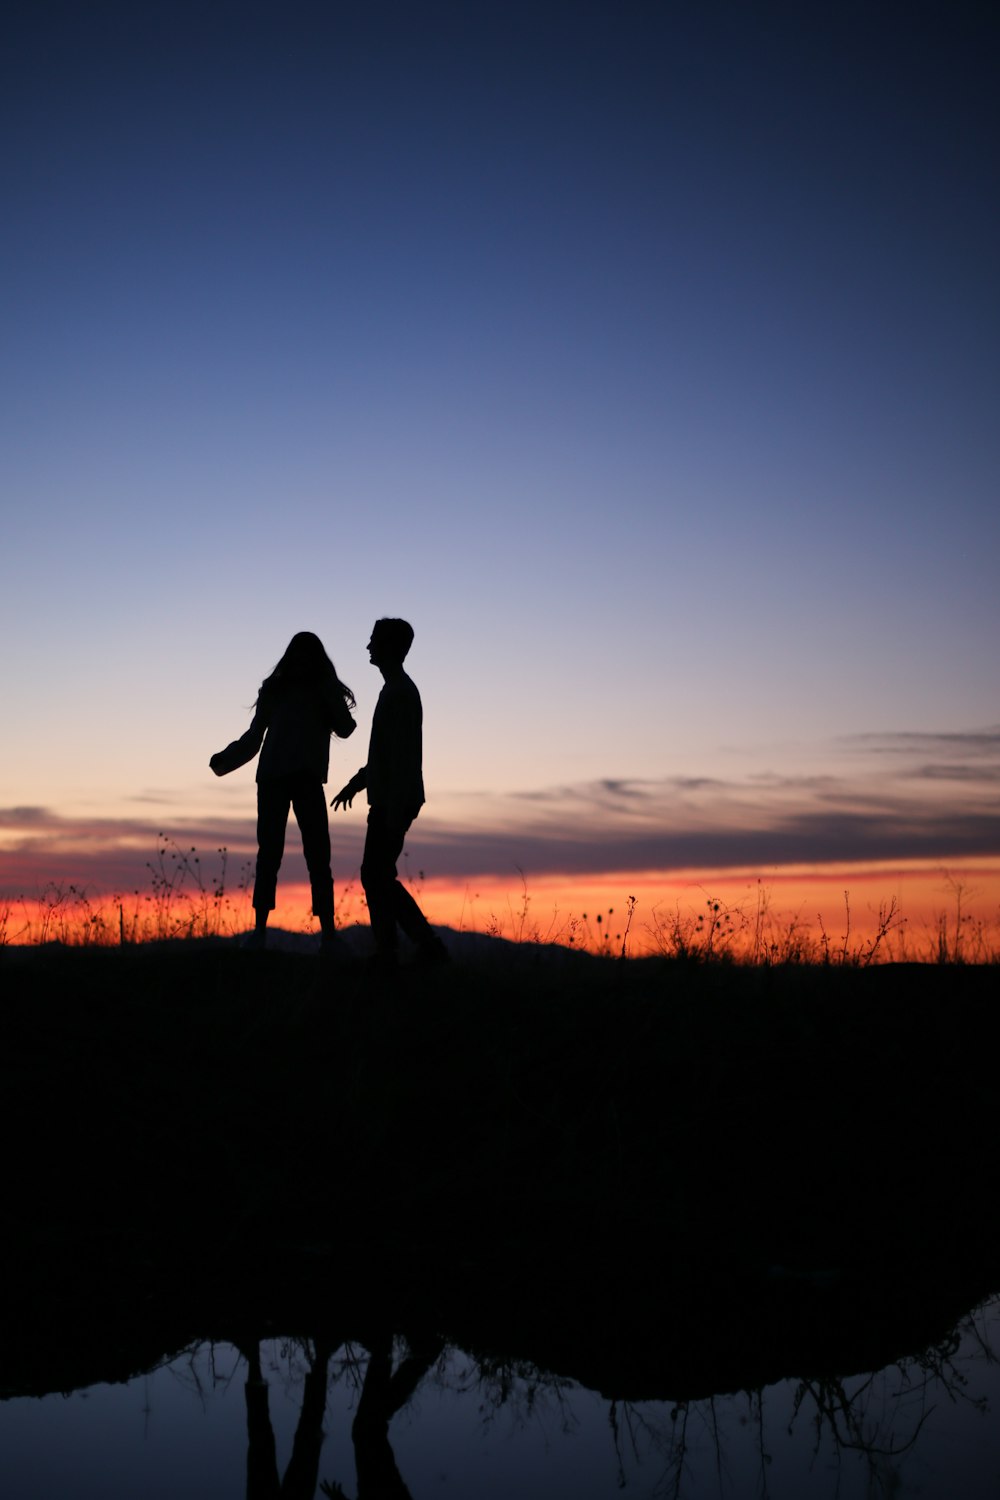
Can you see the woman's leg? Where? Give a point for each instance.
(309, 802)
(273, 800)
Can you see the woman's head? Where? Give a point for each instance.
(305, 661)
(305, 657)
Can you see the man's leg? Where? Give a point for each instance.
(389, 902)
(413, 922)
(383, 845)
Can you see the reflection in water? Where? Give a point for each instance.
(658, 1183)
(494, 1427)
(299, 1482)
(384, 1391)
(863, 1431)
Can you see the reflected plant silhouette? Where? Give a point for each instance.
(875, 1419)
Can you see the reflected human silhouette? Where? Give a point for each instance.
(299, 705)
(385, 1391)
(302, 1472)
(393, 780)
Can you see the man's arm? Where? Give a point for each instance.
(347, 793)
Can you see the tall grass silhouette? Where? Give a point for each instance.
(190, 896)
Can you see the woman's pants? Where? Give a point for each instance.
(307, 797)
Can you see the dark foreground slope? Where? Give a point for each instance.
(640, 1174)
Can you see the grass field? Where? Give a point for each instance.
(929, 916)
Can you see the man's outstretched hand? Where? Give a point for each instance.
(345, 796)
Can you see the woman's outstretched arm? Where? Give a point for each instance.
(240, 751)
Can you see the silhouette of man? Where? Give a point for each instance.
(393, 779)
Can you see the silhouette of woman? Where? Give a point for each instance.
(299, 705)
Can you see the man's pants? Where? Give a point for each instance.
(389, 902)
(307, 797)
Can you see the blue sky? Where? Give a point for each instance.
(645, 356)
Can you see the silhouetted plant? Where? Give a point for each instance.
(706, 936)
(729, 933)
(188, 897)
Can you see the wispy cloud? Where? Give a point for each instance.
(898, 797)
(807, 839)
(915, 745)
(39, 846)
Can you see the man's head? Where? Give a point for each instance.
(390, 641)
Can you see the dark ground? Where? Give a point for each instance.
(656, 1178)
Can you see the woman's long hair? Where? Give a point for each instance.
(305, 662)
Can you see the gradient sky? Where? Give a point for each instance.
(644, 356)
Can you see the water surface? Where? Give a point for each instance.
(923, 1426)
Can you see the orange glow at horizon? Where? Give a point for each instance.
(842, 906)
(846, 902)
